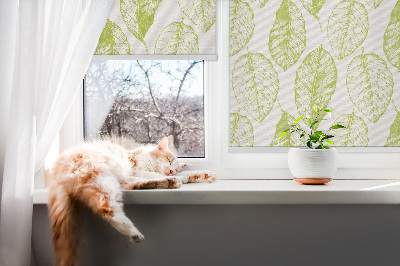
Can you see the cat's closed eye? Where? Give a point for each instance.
(162, 157)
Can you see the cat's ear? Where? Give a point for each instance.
(171, 146)
(163, 145)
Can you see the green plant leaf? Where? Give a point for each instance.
(309, 144)
(355, 132)
(370, 85)
(328, 137)
(315, 83)
(316, 136)
(200, 12)
(241, 131)
(177, 38)
(313, 6)
(283, 134)
(298, 119)
(391, 39)
(347, 27)
(255, 84)
(287, 38)
(138, 16)
(261, 3)
(241, 25)
(313, 123)
(394, 135)
(289, 139)
(373, 3)
(337, 126)
(328, 141)
(112, 40)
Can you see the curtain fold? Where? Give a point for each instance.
(8, 25)
(55, 43)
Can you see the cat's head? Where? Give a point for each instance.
(164, 160)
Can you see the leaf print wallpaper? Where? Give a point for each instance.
(255, 84)
(241, 25)
(287, 38)
(347, 27)
(166, 27)
(288, 55)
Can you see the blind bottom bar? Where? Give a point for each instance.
(213, 57)
(268, 149)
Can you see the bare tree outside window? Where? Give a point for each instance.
(142, 101)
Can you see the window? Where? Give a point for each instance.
(141, 101)
(213, 151)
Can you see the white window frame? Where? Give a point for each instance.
(72, 130)
(247, 163)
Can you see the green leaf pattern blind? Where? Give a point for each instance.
(159, 27)
(288, 55)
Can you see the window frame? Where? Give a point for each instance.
(246, 163)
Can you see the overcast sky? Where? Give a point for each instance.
(196, 88)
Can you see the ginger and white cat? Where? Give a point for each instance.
(94, 174)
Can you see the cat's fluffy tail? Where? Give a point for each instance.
(62, 213)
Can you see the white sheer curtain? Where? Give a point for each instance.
(55, 41)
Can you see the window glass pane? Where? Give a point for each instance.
(142, 101)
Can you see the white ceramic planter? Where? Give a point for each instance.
(310, 166)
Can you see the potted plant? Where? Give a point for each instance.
(316, 163)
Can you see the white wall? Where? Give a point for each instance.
(233, 235)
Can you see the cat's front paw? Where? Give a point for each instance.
(174, 182)
(137, 237)
(201, 177)
(181, 167)
(210, 177)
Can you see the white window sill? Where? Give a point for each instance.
(264, 192)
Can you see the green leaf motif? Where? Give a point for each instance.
(287, 38)
(370, 85)
(391, 39)
(290, 139)
(315, 83)
(200, 12)
(255, 84)
(373, 3)
(313, 6)
(177, 38)
(347, 27)
(112, 41)
(241, 25)
(241, 131)
(138, 16)
(355, 132)
(394, 135)
(261, 3)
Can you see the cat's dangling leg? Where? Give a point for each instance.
(104, 197)
(152, 183)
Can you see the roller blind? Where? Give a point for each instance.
(154, 29)
(286, 56)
